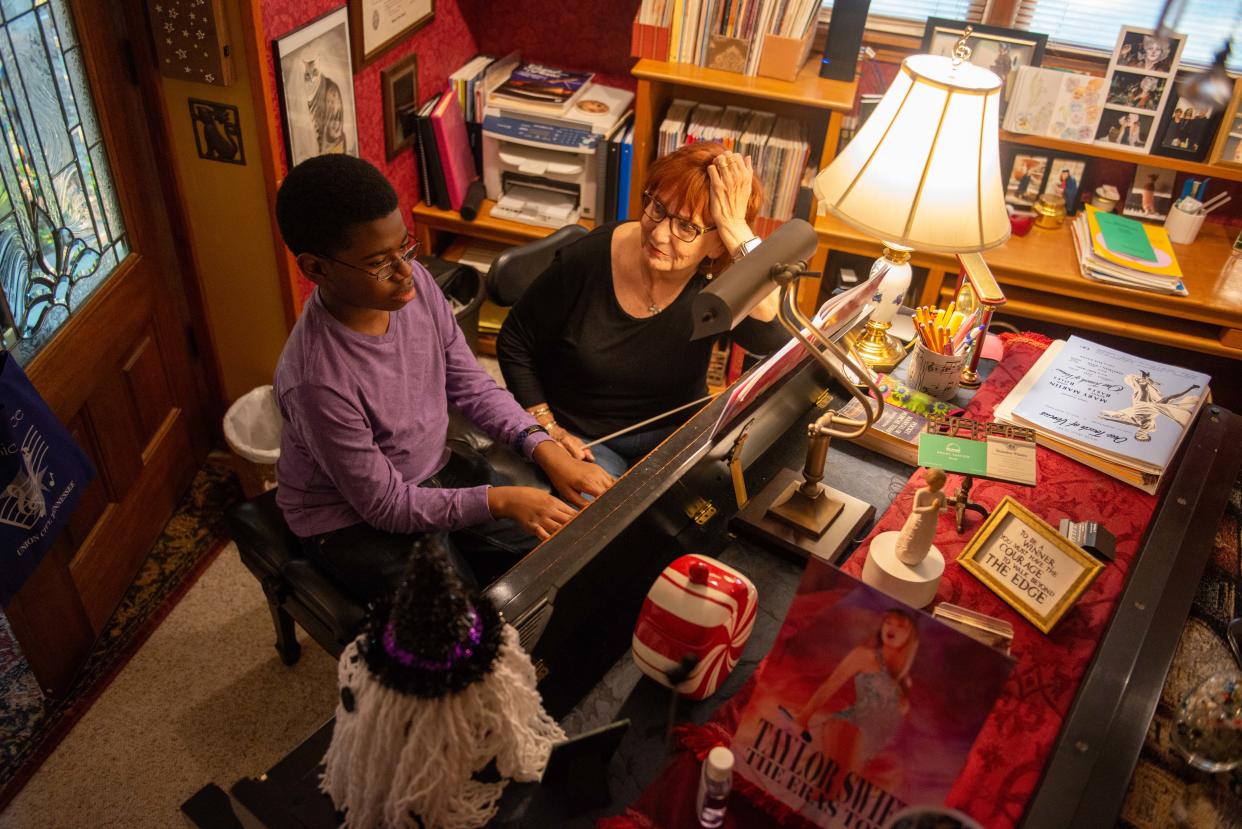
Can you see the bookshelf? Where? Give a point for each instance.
(435, 228)
(1196, 168)
(818, 102)
(1040, 276)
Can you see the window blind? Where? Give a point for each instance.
(920, 10)
(1095, 25)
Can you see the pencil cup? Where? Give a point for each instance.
(936, 375)
(1183, 226)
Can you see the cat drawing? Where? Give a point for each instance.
(327, 108)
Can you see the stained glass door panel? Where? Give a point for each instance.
(61, 232)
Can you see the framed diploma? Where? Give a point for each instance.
(1022, 559)
(375, 26)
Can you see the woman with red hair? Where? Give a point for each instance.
(601, 340)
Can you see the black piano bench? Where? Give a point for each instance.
(295, 589)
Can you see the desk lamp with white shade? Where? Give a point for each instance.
(923, 172)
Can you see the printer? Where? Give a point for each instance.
(543, 167)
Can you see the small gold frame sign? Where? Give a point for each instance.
(1036, 570)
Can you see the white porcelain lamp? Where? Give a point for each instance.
(923, 172)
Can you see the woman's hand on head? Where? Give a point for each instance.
(572, 477)
(731, 175)
(535, 511)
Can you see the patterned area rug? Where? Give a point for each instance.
(32, 726)
(1165, 791)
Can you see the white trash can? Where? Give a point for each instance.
(252, 429)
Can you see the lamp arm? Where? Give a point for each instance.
(873, 406)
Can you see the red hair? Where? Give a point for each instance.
(680, 180)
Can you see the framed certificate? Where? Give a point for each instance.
(377, 25)
(1030, 565)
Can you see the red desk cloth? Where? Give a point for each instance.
(1008, 757)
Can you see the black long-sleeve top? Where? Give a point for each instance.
(569, 343)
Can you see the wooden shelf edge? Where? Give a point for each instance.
(1105, 151)
(484, 226)
(808, 89)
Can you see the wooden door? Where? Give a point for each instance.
(120, 372)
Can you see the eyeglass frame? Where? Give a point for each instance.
(407, 256)
(649, 199)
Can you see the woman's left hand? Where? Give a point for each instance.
(731, 175)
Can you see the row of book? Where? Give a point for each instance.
(777, 146)
(1126, 252)
(732, 35)
(446, 164)
(614, 158)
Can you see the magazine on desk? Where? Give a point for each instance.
(542, 85)
(1111, 410)
(861, 708)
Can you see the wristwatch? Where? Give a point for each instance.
(519, 442)
(747, 246)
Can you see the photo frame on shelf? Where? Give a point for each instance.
(992, 47)
(378, 25)
(1140, 79)
(316, 88)
(399, 83)
(1066, 176)
(1025, 177)
(1032, 567)
(1187, 128)
(1227, 149)
(1151, 193)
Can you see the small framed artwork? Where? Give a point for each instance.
(400, 86)
(1065, 178)
(1027, 173)
(217, 133)
(1125, 129)
(379, 25)
(1151, 194)
(1036, 570)
(1139, 81)
(1187, 128)
(316, 88)
(992, 47)
(1228, 147)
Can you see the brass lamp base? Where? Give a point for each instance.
(878, 349)
(810, 513)
(758, 523)
(970, 379)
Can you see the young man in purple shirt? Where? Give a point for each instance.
(364, 384)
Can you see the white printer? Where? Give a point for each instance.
(541, 167)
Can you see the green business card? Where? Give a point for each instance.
(969, 457)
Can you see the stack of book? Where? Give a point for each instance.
(1126, 252)
(751, 37)
(446, 165)
(1112, 411)
(777, 146)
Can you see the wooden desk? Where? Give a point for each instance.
(430, 222)
(1039, 273)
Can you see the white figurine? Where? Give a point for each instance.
(906, 565)
(919, 531)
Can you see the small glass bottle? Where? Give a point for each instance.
(714, 786)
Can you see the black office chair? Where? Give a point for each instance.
(513, 271)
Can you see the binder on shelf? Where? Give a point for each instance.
(783, 57)
(449, 126)
(625, 165)
(438, 189)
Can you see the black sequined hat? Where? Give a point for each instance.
(437, 636)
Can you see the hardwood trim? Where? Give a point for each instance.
(271, 148)
(1001, 12)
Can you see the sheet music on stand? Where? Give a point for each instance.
(836, 316)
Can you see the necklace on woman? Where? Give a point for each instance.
(652, 307)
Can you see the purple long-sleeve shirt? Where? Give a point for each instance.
(365, 419)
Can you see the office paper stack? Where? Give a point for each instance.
(1139, 256)
(778, 147)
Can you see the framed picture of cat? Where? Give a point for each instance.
(379, 25)
(316, 87)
